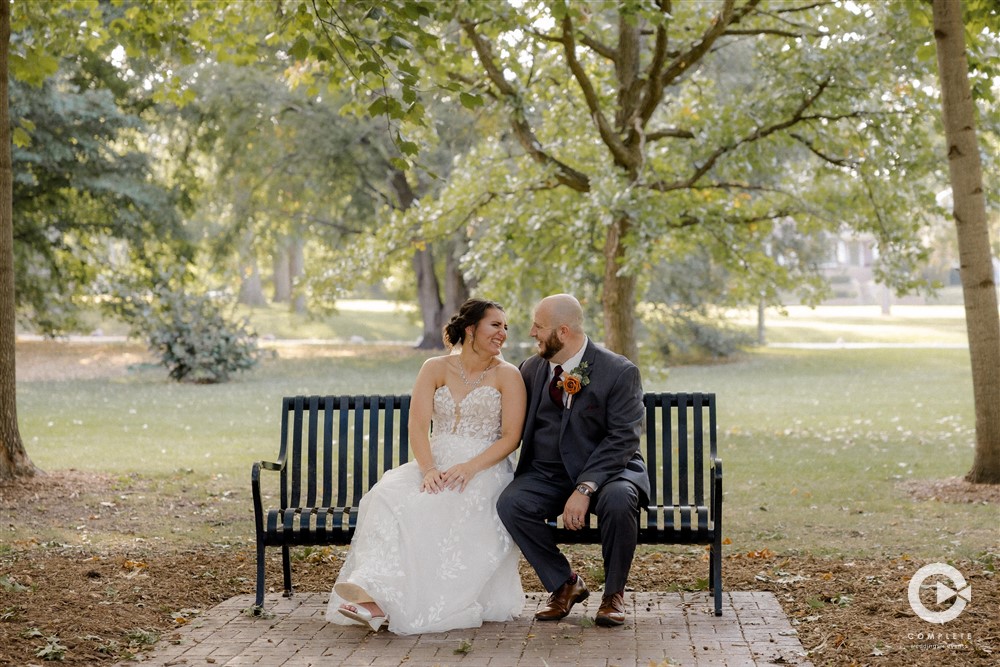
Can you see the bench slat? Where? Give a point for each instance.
(312, 454)
(328, 451)
(343, 444)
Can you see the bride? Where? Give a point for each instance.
(430, 553)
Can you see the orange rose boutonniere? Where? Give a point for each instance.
(574, 381)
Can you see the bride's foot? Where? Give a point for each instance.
(367, 613)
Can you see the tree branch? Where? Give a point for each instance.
(803, 8)
(840, 162)
(654, 75)
(798, 116)
(671, 132)
(565, 174)
(687, 59)
(598, 47)
(773, 31)
(608, 135)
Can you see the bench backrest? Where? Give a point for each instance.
(334, 448)
(323, 437)
(679, 446)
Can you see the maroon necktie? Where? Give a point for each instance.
(555, 393)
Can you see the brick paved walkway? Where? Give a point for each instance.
(664, 629)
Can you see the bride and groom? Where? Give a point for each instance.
(438, 538)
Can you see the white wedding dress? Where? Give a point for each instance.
(438, 561)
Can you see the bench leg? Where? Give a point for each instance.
(286, 565)
(259, 603)
(715, 576)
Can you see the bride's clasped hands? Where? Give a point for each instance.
(455, 478)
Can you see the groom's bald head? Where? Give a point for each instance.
(563, 309)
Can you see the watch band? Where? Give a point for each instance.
(584, 489)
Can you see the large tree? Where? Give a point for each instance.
(979, 288)
(630, 137)
(14, 459)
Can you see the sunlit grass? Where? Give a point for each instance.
(939, 325)
(368, 321)
(814, 442)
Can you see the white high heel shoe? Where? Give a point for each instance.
(362, 616)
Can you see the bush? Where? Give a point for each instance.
(687, 338)
(190, 334)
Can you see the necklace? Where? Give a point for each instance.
(465, 380)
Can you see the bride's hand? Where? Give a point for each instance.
(433, 481)
(458, 476)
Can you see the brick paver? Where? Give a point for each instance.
(662, 629)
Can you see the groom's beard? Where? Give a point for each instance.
(550, 346)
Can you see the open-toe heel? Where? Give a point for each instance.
(362, 616)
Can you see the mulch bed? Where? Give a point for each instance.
(84, 604)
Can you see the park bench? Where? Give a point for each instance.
(334, 448)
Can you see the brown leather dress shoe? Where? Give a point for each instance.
(562, 600)
(612, 611)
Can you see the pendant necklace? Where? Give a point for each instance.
(465, 380)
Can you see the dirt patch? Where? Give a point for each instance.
(56, 360)
(102, 604)
(952, 490)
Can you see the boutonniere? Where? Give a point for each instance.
(573, 381)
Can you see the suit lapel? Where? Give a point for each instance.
(538, 393)
(588, 357)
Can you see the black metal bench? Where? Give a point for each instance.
(334, 448)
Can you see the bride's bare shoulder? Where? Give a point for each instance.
(508, 371)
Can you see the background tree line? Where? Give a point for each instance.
(663, 160)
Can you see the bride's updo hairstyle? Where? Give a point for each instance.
(470, 314)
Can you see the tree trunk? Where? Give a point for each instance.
(429, 299)
(619, 294)
(251, 287)
(428, 288)
(14, 461)
(982, 319)
(456, 290)
(296, 271)
(282, 274)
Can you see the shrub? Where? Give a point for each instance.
(690, 338)
(190, 334)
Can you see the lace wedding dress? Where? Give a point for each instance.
(436, 562)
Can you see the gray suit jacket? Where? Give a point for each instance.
(599, 436)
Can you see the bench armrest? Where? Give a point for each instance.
(716, 491)
(258, 507)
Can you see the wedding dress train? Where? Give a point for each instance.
(438, 561)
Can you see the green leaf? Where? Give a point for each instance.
(378, 107)
(470, 101)
(34, 68)
(397, 42)
(408, 148)
(300, 49)
(927, 52)
(399, 163)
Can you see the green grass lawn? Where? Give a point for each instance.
(942, 325)
(815, 443)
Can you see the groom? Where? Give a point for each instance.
(579, 454)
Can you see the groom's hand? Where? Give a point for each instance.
(575, 512)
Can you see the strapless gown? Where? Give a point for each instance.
(437, 562)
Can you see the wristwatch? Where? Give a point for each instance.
(585, 490)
